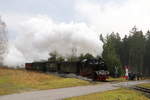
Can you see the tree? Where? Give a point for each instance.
(132, 50)
(136, 48)
(146, 68)
(111, 51)
(73, 56)
(53, 56)
(3, 41)
(124, 51)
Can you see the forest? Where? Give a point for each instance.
(132, 51)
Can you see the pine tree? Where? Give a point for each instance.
(111, 53)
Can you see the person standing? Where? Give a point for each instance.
(126, 72)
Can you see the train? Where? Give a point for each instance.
(90, 68)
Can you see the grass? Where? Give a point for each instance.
(118, 94)
(120, 79)
(145, 85)
(15, 80)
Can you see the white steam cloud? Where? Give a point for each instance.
(32, 38)
(40, 35)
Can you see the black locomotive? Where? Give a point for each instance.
(91, 68)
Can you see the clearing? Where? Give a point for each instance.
(19, 80)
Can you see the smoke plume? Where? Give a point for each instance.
(40, 35)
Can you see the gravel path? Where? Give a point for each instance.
(59, 94)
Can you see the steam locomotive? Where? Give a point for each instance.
(91, 68)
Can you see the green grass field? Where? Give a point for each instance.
(146, 85)
(119, 94)
(14, 81)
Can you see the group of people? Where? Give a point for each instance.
(135, 76)
(132, 76)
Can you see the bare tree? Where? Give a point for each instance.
(3, 41)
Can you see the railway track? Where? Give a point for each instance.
(142, 89)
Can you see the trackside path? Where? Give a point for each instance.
(59, 94)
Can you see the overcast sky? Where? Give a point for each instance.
(37, 27)
(104, 15)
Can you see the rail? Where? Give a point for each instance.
(142, 89)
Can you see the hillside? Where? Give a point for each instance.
(20, 80)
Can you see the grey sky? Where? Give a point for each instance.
(58, 9)
(62, 10)
(105, 15)
(37, 27)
